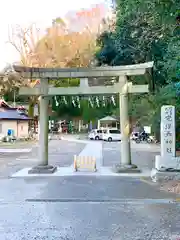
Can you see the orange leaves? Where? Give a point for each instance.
(62, 47)
(72, 49)
(69, 42)
(91, 18)
(93, 12)
(74, 45)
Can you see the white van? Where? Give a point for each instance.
(96, 134)
(112, 135)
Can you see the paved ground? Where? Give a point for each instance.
(60, 154)
(83, 207)
(143, 155)
(19, 144)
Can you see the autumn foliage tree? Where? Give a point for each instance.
(69, 42)
(24, 41)
(9, 80)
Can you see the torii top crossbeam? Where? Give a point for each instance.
(128, 70)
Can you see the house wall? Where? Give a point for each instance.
(20, 127)
(7, 124)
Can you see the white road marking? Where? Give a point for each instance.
(15, 150)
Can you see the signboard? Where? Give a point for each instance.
(168, 138)
(10, 132)
(147, 129)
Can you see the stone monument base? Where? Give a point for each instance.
(167, 163)
(42, 169)
(166, 168)
(163, 176)
(126, 169)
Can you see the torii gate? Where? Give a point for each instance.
(123, 87)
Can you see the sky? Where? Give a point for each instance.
(24, 13)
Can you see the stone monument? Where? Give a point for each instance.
(168, 136)
(167, 164)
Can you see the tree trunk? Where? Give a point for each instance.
(31, 112)
(38, 109)
(31, 107)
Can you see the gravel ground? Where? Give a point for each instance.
(60, 154)
(171, 186)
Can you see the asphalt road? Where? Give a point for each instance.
(86, 208)
(83, 207)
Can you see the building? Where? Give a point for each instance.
(13, 120)
(108, 122)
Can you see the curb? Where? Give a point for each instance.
(148, 181)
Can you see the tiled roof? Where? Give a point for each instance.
(4, 104)
(13, 114)
(26, 106)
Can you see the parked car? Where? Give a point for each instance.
(112, 135)
(96, 134)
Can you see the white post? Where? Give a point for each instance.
(168, 135)
(60, 128)
(124, 122)
(98, 124)
(38, 130)
(79, 125)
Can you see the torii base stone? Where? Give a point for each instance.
(42, 169)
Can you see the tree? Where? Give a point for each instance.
(142, 34)
(69, 42)
(146, 31)
(24, 41)
(9, 80)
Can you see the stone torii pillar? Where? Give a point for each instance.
(43, 166)
(125, 163)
